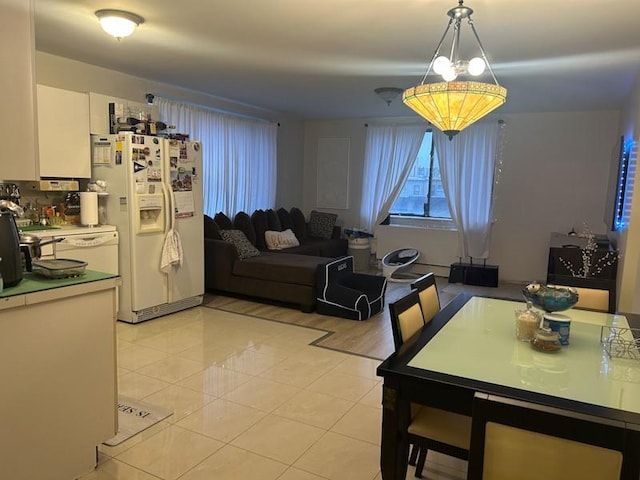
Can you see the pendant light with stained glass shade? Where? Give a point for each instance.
(452, 105)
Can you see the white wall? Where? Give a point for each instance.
(73, 75)
(629, 239)
(554, 177)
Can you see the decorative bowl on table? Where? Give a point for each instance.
(550, 298)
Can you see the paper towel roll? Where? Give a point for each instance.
(89, 208)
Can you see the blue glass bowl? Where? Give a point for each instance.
(550, 298)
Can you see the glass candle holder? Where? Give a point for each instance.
(546, 341)
(527, 321)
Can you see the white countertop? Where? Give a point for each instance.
(70, 230)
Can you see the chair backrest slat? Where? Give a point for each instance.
(592, 299)
(594, 293)
(514, 439)
(428, 293)
(406, 318)
(410, 321)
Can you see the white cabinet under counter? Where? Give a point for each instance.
(58, 372)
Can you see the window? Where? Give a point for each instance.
(422, 194)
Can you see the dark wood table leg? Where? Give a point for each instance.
(394, 448)
(631, 462)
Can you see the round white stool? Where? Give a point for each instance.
(396, 263)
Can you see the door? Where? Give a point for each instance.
(184, 164)
(147, 214)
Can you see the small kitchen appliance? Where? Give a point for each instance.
(11, 260)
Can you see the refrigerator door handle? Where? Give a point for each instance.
(168, 211)
(172, 205)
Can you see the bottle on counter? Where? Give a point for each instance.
(142, 127)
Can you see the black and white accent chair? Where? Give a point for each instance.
(344, 293)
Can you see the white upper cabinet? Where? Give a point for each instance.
(17, 84)
(64, 137)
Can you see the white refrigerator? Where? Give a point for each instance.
(154, 188)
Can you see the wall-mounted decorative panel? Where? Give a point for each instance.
(333, 173)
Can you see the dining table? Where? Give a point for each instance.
(470, 346)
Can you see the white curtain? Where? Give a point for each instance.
(390, 153)
(239, 156)
(467, 168)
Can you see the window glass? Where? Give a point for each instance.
(422, 194)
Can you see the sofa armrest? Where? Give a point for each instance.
(219, 257)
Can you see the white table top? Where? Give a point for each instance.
(479, 343)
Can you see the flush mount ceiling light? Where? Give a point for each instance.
(118, 23)
(388, 94)
(453, 105)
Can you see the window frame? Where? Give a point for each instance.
(406, 219)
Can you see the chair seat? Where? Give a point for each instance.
(442, 426)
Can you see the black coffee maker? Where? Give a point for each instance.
(11, 259)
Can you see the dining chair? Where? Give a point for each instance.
(593, 299)
(406, 318)
(430, 428)
(593, 294)
(428, 293)
(516, 439)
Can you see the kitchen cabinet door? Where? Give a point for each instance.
(17, 84)
(63, 133)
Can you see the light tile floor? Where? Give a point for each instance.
(251, 400)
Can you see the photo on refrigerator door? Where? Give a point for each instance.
(181, 184)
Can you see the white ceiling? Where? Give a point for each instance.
(323, 58)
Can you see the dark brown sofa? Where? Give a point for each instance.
(287, 276)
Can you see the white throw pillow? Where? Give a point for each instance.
(288, 239)
(280, 240)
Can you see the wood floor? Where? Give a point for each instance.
(371, 338)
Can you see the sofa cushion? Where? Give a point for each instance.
(259, 220)
(280, 267)
(280, 240)
(211, 228)
(334, 247)
(223, 221)
(321, 224)
(273, 221)
(299, 223)
(285, 219)
(242, 221)
(244, 248)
